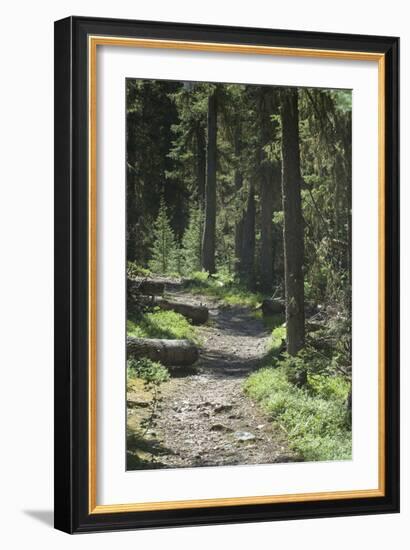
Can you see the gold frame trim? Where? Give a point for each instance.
(93, 42)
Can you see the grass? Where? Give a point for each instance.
(162, 324)
(225, 289)
(276, 324)
(134, 270)
(314, 416)
(150, 372)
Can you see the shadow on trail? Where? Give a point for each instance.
(152, 448)
(237, 344)
(238, 322)
(222, 364)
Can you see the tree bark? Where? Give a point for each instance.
(201, 164)
(238, 182)
(273, 306)
(293, 232)
(238, 244)
(208, 241)
(266, 252)
(247, 260)
(168, 352)
(267, 106)
(197, 314)
(145, 287)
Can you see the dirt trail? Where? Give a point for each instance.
(206, 419)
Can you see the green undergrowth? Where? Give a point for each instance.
(150, 372)
(313, 416)
(162, 324)
(276, 325)
(223, 287)
(135, 270)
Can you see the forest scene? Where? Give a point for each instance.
(239, 274)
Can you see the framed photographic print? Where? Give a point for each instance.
(226, 276)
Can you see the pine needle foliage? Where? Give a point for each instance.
(191, 243)
(164, 250)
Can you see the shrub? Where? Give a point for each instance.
(134, 270)
(199, 276)
(151, 372)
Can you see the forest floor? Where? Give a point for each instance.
(205, 418)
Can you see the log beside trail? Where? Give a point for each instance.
(168, 352)
(198, 315)
(273, 306)
(145, 287)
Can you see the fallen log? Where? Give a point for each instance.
(145, 287)
(273, 306)
(168, 352)
(197, 314)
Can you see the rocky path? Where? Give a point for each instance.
(206, 419)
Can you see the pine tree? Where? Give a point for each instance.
(208, 238)
(164, 251)
(191, 243)
(293, 236)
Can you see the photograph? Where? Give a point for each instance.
(226, 242)
(239, 274)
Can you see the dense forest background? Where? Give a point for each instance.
(245, 190)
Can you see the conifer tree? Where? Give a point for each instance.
(191, 243)
(164, 251)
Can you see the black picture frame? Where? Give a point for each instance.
(72, 513)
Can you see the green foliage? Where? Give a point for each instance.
(314, 417)
(164, 251)
(329, 387)
(150, 116)
(151, 372)
(230, 293)
(166, 154)
(342, 99)
(223, 277)
(134, 270)
(277, 338)
(166, 144)
(191, 243)
(162, 324)
(199, 277)
(325, 139)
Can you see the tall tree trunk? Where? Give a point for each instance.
(293, 233)
(238, 241)
(266, 252)
(201, 181)
(269, 186)
(208, 241)
(201, 164)
(247, 259)
(348, 186)
(132, 218)
(238, 182)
